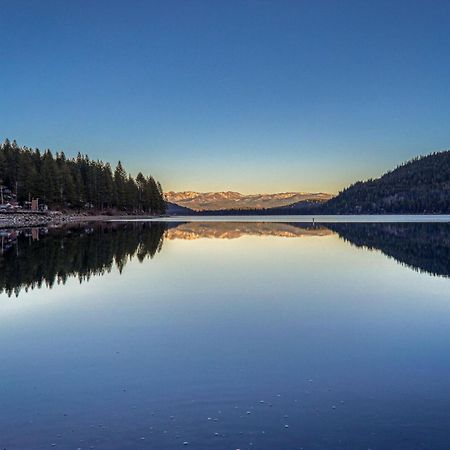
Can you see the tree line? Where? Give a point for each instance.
(419, 186)
(76, 183)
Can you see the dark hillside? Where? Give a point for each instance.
(419, 186)
(176, 210)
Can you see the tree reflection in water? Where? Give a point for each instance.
(424, 247)
(36, 257)
(32, 258)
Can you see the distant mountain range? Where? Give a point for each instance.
(419, 186)
(215, 201)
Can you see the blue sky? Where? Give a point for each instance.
(230, 95)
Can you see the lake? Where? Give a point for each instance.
(248, 334)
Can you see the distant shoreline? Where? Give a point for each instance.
(25, 219)
(312, 219)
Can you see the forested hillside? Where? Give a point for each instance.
(75, 182)
(419, 186)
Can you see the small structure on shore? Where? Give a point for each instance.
(35, 204)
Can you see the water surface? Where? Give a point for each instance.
(226, 335)
(292, 218)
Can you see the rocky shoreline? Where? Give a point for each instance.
(53, 218)
(30, 219)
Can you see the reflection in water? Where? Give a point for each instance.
(422, 246)
(31, 258)
(36, 257)
(233, 230)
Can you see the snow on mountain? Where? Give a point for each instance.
(201, 201)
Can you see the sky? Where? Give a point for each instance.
(250, 96)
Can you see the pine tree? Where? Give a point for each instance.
(48, 178)
(140, 184)
(120, 180)
(62, 182)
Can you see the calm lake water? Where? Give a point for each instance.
(226, 335)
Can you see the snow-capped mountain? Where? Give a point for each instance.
(201, 201)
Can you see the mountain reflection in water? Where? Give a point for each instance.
(31, 258)
(234, 230)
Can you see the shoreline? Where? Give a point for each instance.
(24, 219)
(305, 218)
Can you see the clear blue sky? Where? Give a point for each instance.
(241, 95)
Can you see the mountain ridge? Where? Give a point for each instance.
(418, 186)
(225, 200)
